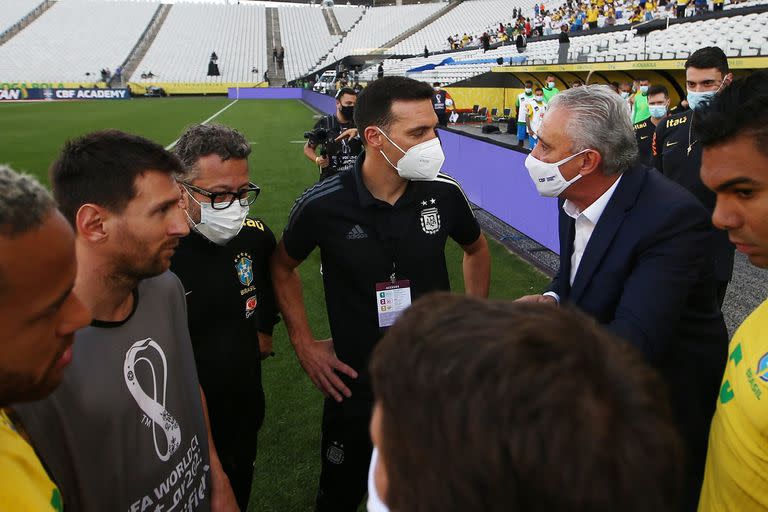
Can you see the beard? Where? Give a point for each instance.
(136, 259)
(17, 387)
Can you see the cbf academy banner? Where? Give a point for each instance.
(20, 94)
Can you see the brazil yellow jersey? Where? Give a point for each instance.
(24, 484)
(736, 475)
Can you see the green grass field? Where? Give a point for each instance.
(288, 461)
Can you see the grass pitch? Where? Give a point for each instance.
(288, 461)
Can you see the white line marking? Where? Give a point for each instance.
(214, 116)
(297, 141)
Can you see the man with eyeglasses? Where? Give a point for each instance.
(224, 267)
(677, 150)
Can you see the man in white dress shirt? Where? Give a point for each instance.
(635, 253)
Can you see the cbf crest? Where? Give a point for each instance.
(430, 221)
(244, 268)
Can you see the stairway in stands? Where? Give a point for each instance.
(408, 33)
(333, 24)
(276, 76)
(25, 21)
(142, 45)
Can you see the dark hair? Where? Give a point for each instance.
(345, 90)
(102, 167)
(657, 89)
(528, 82)
(491, 405)
(708, 57)
(208, 139)
(436, 84)
(550, 75)
(374, 104)
(739, 109)
(537, 88)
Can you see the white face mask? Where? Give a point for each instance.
(528, 91)
(219, 226)
(539, 98)
(551, 85)
(374, 502)
(420, 163)
(547, 177)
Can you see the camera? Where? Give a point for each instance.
(317, 136)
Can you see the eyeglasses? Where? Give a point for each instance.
(223, 200)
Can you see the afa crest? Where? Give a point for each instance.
(430, 221)
(244, 268)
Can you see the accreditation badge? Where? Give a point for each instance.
(392, 298)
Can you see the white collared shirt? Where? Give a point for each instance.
(585, 225)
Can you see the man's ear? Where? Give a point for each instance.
(90, 222)
(591, 163)
(374, 137)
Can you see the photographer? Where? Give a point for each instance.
(337, 137)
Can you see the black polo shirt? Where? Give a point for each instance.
(363, 241)
(644, 136)
(229, 299)
(677, 155)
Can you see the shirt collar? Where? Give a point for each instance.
(366, 198)
(594, 211)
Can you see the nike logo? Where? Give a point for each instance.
(645, 137)
(356, 233)
(670, 144)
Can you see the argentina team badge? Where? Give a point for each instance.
(430, 221)
(244, 268)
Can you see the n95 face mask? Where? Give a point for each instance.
(420, 163)
(219, 226)
(547, 177)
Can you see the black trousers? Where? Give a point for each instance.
(442, 118)
(237, 461)
(345, 453)
(680, 11)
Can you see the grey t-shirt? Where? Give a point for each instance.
(125, 431)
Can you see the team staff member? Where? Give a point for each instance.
(639, 101)
(677, 151)
(658, 103)
(735, 167)
(522, 99)
(382, 230)
(224, 267)
(342, 145)
(39, 314)
(549, 88)
(441, 101)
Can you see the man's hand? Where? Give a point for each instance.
(347, 134)
(265, 345)
(537, 299)
(322, 161)
(319, 361)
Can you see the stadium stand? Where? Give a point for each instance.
(73, 40)
(182, 49)
(471, 17)
(13, 11)
(347, 16)
(380, 25)
(739, 36)
(305, 38)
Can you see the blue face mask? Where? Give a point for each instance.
(644, 89)
(696, 99)
(658, 111)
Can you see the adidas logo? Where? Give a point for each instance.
(356, 233)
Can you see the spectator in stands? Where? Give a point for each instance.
(281, 58)
(426, 52)
(274, 55)
(520, 114)
(658, 105)
(39, 314)
(535, 110)
(702, 6)
(528, 29)
(520, 42)
(564, 44)
(464, 40)
(639, 101)
(677, 151)
(457, 428)
(593, 13)
(717, 5)
(680, 9)
(637, 253)
(735, 166)
(380, 70)
(547, 24)
(485, 41)
(550, 89)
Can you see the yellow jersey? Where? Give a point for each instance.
(24, 484)
(592, 15)
(736, 475)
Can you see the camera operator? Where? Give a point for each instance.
(337, 137)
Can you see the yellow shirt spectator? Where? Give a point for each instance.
(24, 484)
(592, 14)
(736, 475)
